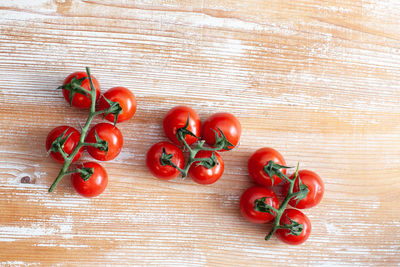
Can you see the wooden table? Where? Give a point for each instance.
(317, 80)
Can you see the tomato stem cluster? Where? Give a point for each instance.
(295, 227)
(92, 113)
(221, 142)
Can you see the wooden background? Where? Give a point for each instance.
(317, 80)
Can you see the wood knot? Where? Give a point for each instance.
(27, 180)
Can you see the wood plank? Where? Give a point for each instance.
(317, 80)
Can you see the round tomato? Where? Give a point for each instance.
(95, 185)
(227, 123)
(126, 100)
(258, 160)
(69, 144)
(176, 118)
(285, 235)
(80, 100)
(315, 186)
(248, 208)
(111, 135)
(201, 175)
(155, 165)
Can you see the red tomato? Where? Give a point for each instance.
(69, 145)
(298, 216)
(201, 174)
(79, 100)
(258, 160)
(108, 133)
(153, 160)
(247, 204)
(176, 118)
(315, 186)
(96, 183)
(227, 123)
(126, 100)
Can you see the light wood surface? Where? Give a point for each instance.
(317, 80)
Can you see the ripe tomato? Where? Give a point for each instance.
(176, 118)
(201, 174)
(69, 145)
(258, 160)
(155, 166)
(299, 217)
(247, 204)
(79, 100)
(108, 133)
(96, 183)
(315, 186)
(126, 100)
(227, 123)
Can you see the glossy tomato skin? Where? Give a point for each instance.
(284, 234)
(69, 145)
(112, 135)
(96, 183)
(176, 118)
(126, 100)
(247, 204)
(227, 123)
(80, 100)
(258, 160)
(201, 174)
(315, 186)
(154, 165)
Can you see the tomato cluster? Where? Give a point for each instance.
(103, 141)
(182, 126)
(202, 142)
(259, 204)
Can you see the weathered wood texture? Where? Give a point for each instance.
(317, 80)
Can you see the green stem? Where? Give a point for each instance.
(81, 143)
(192, 154)
(277, 222)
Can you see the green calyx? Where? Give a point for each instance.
(181, 133)
(221, 140)
(115, 109)
(75, 86)
(294, 227)
(102, 145)
(85, 172)
(59, 142)
(208, 163)
(261, 206)
(272, 169)
(166, 159)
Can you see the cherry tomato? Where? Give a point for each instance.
(227, 123)
(298, 216)
(176, 118)
(247, 204)
(108, 133)
(126, 100)
(201, 174)
(258, 160)
(153, 160)
(96, 183)
(315, 186)
(69, 145)
(79, 100)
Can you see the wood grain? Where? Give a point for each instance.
(317, 80)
